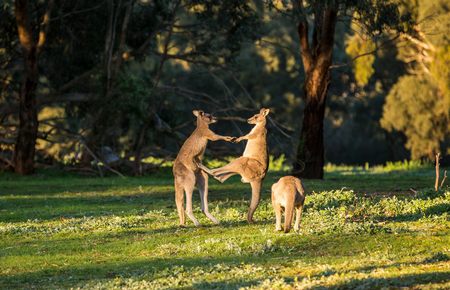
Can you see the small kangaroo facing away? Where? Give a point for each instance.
(288, 193)
(252, 165)
(186, 172)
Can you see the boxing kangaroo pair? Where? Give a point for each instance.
(189, 171)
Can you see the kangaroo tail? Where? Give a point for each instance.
(299, 186)
(301, 190)
(288, 214)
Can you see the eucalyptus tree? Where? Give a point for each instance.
(418, 105)
(316, 24)
(32, 28)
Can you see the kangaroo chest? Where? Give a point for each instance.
(194, 147)
(256, 147)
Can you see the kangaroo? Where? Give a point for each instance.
(252, 165)
(288, 193)
(186, 171)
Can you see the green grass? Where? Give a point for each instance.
(361, 228)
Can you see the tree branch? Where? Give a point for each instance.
(100, 161)
(327, 33)
(122, 38)
(77, 12)
(44, 26)
(302, 31)
(377, 47)
(23, 24)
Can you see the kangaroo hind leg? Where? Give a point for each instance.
(298, 216)
(179, 200)
(277, 210)
(224, 176)
(256, 196)
(202, 184)
(189, 184)
(232, 168)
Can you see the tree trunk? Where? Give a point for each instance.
(310, 151)
(28, 121)
(317, 59)
(137, 168)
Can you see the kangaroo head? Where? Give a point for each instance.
(204, 117)
(260, 117)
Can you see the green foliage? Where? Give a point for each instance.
(415, 107)
(418, 105)
(330, 199)
(404, 165)
(440, 71)
(377, 17)
(278, 164)
(362, 66)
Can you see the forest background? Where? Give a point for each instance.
(113, 83)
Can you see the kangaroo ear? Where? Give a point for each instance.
(265, 112)
(197, 113)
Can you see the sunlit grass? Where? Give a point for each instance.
(405, 165)
(363, 230)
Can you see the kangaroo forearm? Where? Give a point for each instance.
(248, 137)
(216, 137)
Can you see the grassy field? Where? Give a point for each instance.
(361, 228)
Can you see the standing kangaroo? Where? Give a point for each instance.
(186, 171)
(252, 166)
(288, 193)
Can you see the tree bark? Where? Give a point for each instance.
(28, 122)
(310, 151)
(317, 60)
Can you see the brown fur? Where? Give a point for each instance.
(186, 171)
(252, 165)
(288, 193)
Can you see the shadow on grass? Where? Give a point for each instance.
(144, 269)
(434, 210)
(15, 208)
(60, 244)
(150, 269)
(108, 196)
(51, 208)
(226, 284)
(408, 280)
(49, 186)
(53, 183)
(435, 258)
